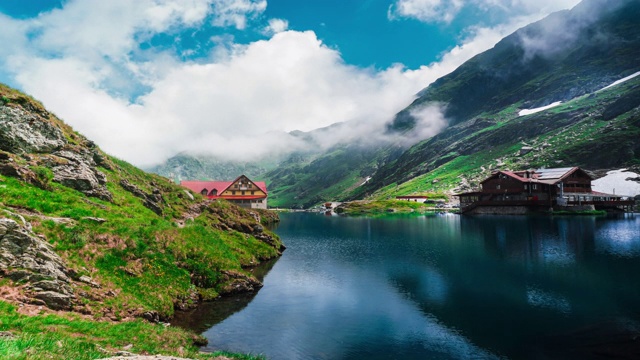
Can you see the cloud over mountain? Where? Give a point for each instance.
(92, 63)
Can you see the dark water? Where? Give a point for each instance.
(441, 287)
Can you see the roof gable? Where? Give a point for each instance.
(259, 184)
(220, 186)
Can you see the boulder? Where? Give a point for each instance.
(525, 150)
(24, 132)
(26, 258)
(151, 201)
(55, 300)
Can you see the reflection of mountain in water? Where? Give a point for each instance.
(209, 314)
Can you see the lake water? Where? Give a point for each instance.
(439, 287)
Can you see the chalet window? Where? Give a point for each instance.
(233, 192)
(498, 186)
(253, 193)
(203, 192)
(526, 186)
(534, 186)
(243, 192)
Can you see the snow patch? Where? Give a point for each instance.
(536, 110)
(620, 81)
(615, 182)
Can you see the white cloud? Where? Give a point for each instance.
(84, 65)
(236, 12)
(276, 26)
(426, 10)
(434, 11)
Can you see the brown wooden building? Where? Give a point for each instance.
(560, 189)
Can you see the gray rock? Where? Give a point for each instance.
(95, 219)
(6, 335)
(151, 316)
(151, 201)
(525, 150)
(88, 280)
(55, 300)
(24, 132)
(189, 195)
(26, 258)
(78, 171)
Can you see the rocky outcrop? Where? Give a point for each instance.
(25, 132)
(237, 282)
(26, 258)
(78, 170)
(151, 201)
(30, 134)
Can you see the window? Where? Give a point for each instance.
(233, 192)
(498, 186)
(534, 186)
(204, 192)
(243, 192)
(526, 186)
(252, 192)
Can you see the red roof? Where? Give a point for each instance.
(220, 186)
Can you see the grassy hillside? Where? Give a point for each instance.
(134, 244)
(596, 131)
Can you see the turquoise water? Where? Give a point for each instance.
(439, 287)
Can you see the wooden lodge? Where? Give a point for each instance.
(508, 192)
(241, 191)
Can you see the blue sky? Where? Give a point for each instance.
(360, 30)
(146, 79)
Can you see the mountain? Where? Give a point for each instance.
(568, 56)
(83, 232)
(185, 166)
(484, 95)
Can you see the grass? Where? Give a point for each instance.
(143, 261)
(135, 236)
(69, 336)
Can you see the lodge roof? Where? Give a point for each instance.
(541, 176)
(221, 186)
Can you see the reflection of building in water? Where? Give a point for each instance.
(532, 240)
(519, 192)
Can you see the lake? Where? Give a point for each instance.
(439, 287)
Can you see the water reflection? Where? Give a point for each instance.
(211, 313)
(443, 287)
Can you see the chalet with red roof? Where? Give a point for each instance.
(539, 190)
(241, 191)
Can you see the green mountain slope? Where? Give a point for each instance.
(202, 167)
(483, 97)
(567, 56)
(583, 132)
(83, 232)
